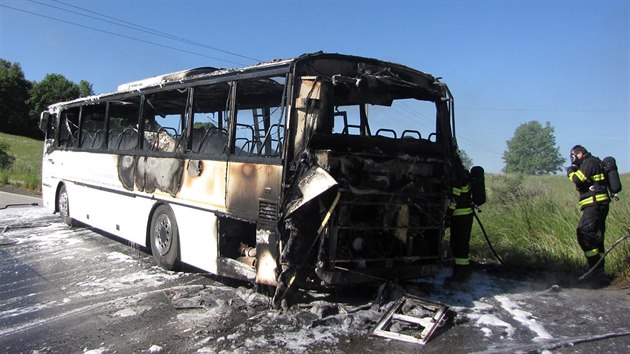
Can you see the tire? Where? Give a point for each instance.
(164, 237)
(63, 206)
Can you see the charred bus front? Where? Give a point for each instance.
(367, 173)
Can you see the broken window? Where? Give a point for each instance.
(406, 118)
(209, 134)
(122, 131)
(92, 126)
(259, 129)
(69, 127)
(164, 119)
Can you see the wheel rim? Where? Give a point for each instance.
(63, 203)
(163, 231)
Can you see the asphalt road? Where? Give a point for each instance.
(76, 290)
(7, 199)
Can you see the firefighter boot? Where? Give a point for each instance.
(598, 277)
(461, 273)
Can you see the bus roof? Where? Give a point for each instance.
(201, 73)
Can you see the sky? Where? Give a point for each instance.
(506, 62)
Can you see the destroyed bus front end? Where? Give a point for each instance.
(367, 175)
(388, 222)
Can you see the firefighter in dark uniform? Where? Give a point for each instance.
(461, 220)
(587, 172)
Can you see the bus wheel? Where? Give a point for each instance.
(63, 206)
(164, 238)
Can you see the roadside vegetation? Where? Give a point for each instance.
(531, 224)
(21, 162)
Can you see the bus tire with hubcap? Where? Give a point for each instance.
(165, 238)
(63, 206)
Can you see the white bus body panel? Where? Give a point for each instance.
(97, 198)
(198, 243)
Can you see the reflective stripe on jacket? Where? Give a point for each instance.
(462, 201)
(590, 181)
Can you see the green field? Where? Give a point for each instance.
(530, 220)
(26, 170)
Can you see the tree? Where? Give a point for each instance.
(53, 88)
(533, 150)
(85, 89)
(13, 96)
(22, 101)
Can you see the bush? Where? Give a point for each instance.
(6, 159)
(4, 178)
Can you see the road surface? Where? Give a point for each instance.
(76, 290)
(13, 199)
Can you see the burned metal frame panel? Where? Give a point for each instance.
(415, 319)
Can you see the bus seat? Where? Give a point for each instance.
(197, 138)
(122, 139)
(208, 141)
(98, 139)
(386, 130)
(128, 139)
(410, 134)
(113, 138)
(87, 139)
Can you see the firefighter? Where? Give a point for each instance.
(461, 219)
(588, 175)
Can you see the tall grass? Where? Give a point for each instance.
(26, 170)
(531, 223)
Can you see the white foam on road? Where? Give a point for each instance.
(523, 317)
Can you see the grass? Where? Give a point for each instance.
(26, 170)
(531, 223)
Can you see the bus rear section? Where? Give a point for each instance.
(368, 175)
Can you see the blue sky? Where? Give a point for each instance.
(506, 62)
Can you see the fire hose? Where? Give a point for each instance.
(483, 231)
(601, 259)
(14, 205)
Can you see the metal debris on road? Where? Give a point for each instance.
(411, 319)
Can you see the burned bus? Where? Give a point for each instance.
(324, 169)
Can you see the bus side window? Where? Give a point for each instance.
(69, 127)
(259, 128)
(208, 134)
(92, 126)
(122, 133)
(165, 121)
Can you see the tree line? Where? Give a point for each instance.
(22, 101)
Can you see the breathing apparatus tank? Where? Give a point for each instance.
(478, 185)
(612, 174)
